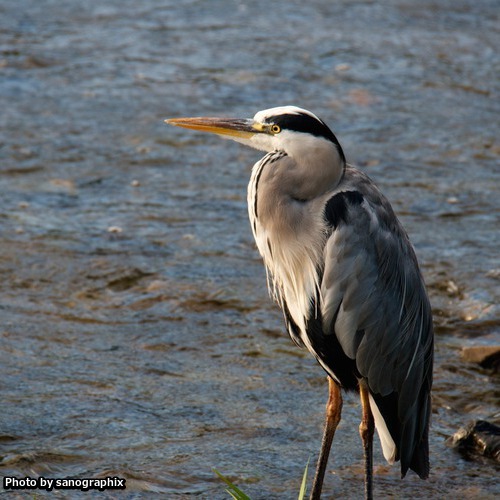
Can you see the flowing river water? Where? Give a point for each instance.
(137, 336)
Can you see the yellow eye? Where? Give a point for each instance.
(275, 129)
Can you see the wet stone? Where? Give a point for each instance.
(485, 356)
(478, 439)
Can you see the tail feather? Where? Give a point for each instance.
(408, 442)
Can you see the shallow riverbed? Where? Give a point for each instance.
(138, 338)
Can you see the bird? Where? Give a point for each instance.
(343, 270)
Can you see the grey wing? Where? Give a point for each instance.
(374, 301)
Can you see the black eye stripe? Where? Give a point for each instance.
(302, 123)
(306, 124)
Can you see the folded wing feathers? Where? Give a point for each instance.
(374, 302)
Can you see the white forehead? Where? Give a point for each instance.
(261, 116)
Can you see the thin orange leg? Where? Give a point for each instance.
(333, 412)
(366, 429)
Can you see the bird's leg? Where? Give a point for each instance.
(333, 411)
(366, 429)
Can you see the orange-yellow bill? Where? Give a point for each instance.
(221, 126)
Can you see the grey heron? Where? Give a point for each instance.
(342, 268)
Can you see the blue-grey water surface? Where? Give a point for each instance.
(137, 336)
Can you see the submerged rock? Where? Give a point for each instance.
(479, 438)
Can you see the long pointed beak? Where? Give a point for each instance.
(222, 126)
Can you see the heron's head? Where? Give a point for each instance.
(294, 130)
